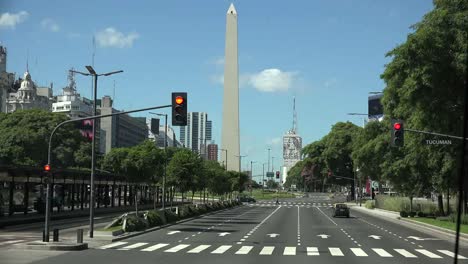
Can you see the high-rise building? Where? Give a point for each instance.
(159, 138)
(71, 103)
(375, 108)
(292, 146)
(213, 152)
(121, 130)
(197, 133)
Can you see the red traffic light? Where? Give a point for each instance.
(47, 167)
(397, 126)
(179, 100)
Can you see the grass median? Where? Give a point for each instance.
(258, 195)
(441, 223)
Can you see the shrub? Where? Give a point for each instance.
(170, 216)
(421, 214)
(134, 223)
(403, 214)
(155, 218)
(202, 209)
(370, 204)
(412, 214)
(184, 211)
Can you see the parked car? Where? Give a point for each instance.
(341, 209)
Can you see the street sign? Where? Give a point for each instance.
(270, 174)
(375, 184)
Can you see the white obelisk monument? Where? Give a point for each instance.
(230, 133)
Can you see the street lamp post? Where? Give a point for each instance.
(93, 73)
(226, 158)
(251, 175)
(263, 179)
(163, 204)
(268, 168)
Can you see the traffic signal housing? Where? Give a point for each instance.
(397, 133)
(179, 109)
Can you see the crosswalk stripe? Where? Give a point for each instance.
(289, 251)
(405, 253)
(335, 251)
(381, 252)
(199, 249)
(244, 250)
(312, 251)
(267, 250)
(221, 249)
(155, 247)
(428, 253)
(450, 254)
(10, 242)
(359, 252)
(116, 244)
(176, 248)
(133, 246)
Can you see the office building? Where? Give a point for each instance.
(197, 134)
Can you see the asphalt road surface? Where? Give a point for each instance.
(295, 231)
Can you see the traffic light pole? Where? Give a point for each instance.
(48, 196)
(433, 133)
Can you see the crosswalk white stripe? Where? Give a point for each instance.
(359, 252)
(221, 249)
(312, 251)
(289, 251)
(177, 248)
(199, 249)
(335, 251)
(267, 250)
(244, 250)
(155, 247)
(10, 242)
(450, 254)
(136, 245)
(381, 252)
(116, 244)
(405, 253)
(428, 253)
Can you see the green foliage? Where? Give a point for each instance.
(155, 218)
(170, 216)
(370, 204)
(412, 214)
(134, 224)
(398, 204)
(404, 214)
(183, 169)
(271, 184)
(421, 214)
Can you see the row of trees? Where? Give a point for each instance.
(425, 88)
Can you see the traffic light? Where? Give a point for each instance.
(277, 174)
(179, 109)
(397, 133)
(47, 168)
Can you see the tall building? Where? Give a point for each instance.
(27, 97)
(119, 131)
(7, 79)
(70, 101)
(230, 131)
(213, 152)
(197, 133)
(292, 146)
(375, 108)
(159, 138)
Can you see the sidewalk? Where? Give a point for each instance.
(407, 222)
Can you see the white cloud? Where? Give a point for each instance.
(110, 37)
(8, 20)
(219, 61)
(50, 24)
(272, 80)
(330, 83)
(217, 78)
(274, 141)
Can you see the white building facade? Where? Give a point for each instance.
(197, 132)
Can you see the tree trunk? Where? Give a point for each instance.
(411, 203)
(440, 204)
(448, 201)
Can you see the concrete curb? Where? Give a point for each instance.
(419, 226)
(56, 246)
(134, 234)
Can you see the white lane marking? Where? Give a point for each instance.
(199, 249)
(267, 250)
(155, 247)
(359, 252)
(177, 248)
(381, 252)
(244, 250)
(116, 244)
(335, 251)
(289, 251)
(136, 245)
(221, 249)
(10, 242)
(428, 253)
(405, 253)
(327, 216)
(312, 251)
(450, 254)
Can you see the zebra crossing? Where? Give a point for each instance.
(300, 204)
(282, 250)
(11, 242)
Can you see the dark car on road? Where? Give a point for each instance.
(340, 209)
(247, 199)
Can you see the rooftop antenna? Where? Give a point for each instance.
(92, 63)
(27, 60)
(294, 126)
(113, 95)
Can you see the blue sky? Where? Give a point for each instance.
(329, 54)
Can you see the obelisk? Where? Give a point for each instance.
(230, 131)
